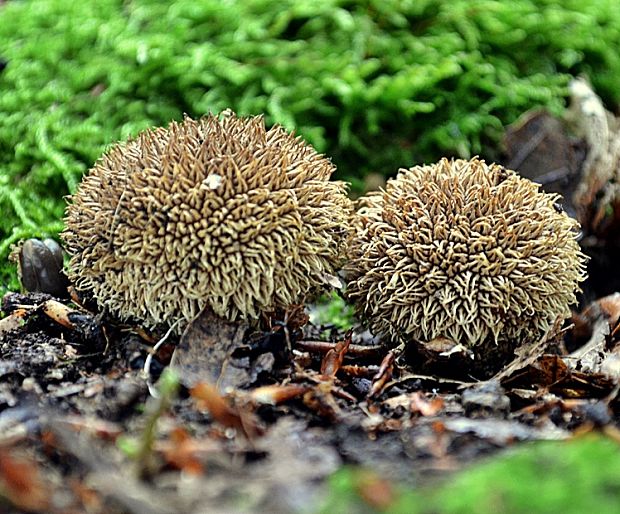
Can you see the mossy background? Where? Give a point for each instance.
(375, 84)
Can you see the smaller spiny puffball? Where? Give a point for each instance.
(218, 212)
(464, 251)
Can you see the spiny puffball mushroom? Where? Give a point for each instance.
(465, 251)
(218, 212)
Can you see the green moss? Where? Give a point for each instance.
(581, 475)
(375, 84)
(332, 310)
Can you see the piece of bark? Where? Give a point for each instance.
(204, 353)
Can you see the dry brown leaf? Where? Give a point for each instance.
(606, 308)
(550, 370)
(420, 404)
(224, 412)
(416, 403)
(183, 452)
(321, 400)
(610, 308)
(383, 376)
(275, 394)
(22, 484)
(334, 357)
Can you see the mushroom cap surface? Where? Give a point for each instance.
(465, 251)
(218, 212)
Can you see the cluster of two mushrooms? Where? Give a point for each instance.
(223, 214)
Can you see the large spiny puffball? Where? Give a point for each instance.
(218, 212)
(465, 251)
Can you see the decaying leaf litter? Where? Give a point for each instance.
(264, 415)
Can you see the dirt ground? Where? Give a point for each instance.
(258, 424)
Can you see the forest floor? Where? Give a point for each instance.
(257, 420)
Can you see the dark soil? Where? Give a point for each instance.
(76, 413)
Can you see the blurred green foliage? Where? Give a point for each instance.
(375, 84)
(581, 475)
(331, 309)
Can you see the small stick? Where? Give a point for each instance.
(325, 346)
(359, 371)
